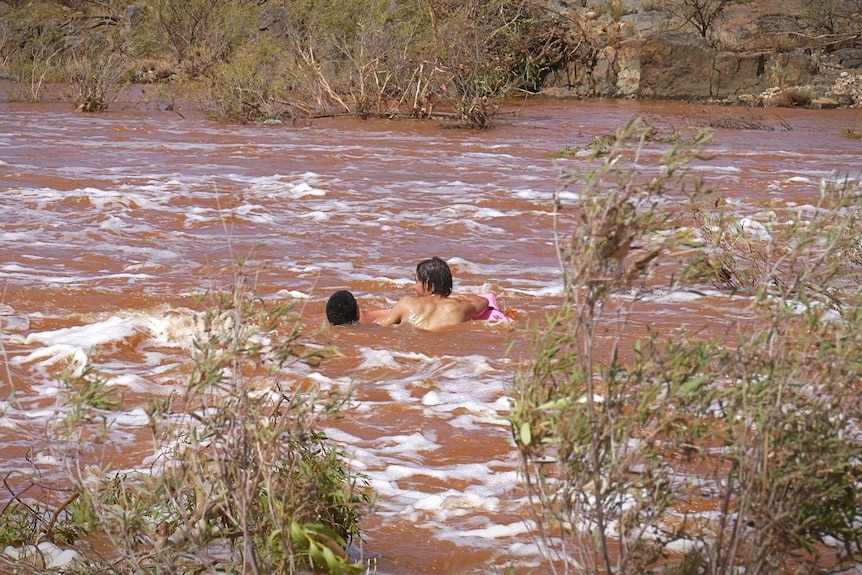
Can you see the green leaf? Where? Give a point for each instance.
(273, 537)
(298, 535)
(315, 552)
(325, 532)
(556, 404)
(693, 385)
(526, 433)
(331, 560)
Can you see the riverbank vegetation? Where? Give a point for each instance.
(257, 61)
(694, 451)
(264, 61)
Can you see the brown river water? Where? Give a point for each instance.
(109, 223)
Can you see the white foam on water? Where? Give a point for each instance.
(131, 382)
(477, 420)
(467, 367)
(316, 216)
(373, 358)
(465, 422)
(306, 269)
(448, 403)
(14, 323)
(386, 358)
(464, 471)
(45, 553)
(522, 550)
(677, 296)
(432, 398)
(503, 404)
(498, 531)
(412, 444)
(135, 418)
(292, 294)
(716, 169)
(94, 342)
(450, 504)
(304, 190)
(165, 327)
(540, 292)
(544, 198)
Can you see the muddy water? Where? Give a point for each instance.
(110, 223)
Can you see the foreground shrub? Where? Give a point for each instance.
(243, 480)
(703, 454)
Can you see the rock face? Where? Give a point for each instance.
(635, 59)
(683, 66)
(680, 66)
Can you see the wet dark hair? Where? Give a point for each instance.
(342, 308)
(435, 275)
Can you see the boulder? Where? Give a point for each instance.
(135, 14)
(847, 58)
(824, 103)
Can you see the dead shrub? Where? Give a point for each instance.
(702, 15)
(833, 17)
(794, 96)
(34, 60)
(93, 83)
(202, 34)
(741, 120)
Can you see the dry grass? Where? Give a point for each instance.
(793, 97)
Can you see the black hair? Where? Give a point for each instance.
(342, 308)
(435, 275)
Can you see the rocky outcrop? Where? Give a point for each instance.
(679, 66)
(640, 61)
(683, 66)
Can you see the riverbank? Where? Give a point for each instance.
(262, 63)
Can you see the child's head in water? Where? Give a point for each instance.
(342, 308)
(434, 277)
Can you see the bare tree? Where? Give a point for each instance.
(702, 14)
(833, 16)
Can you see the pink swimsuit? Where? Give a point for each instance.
(493, 313)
